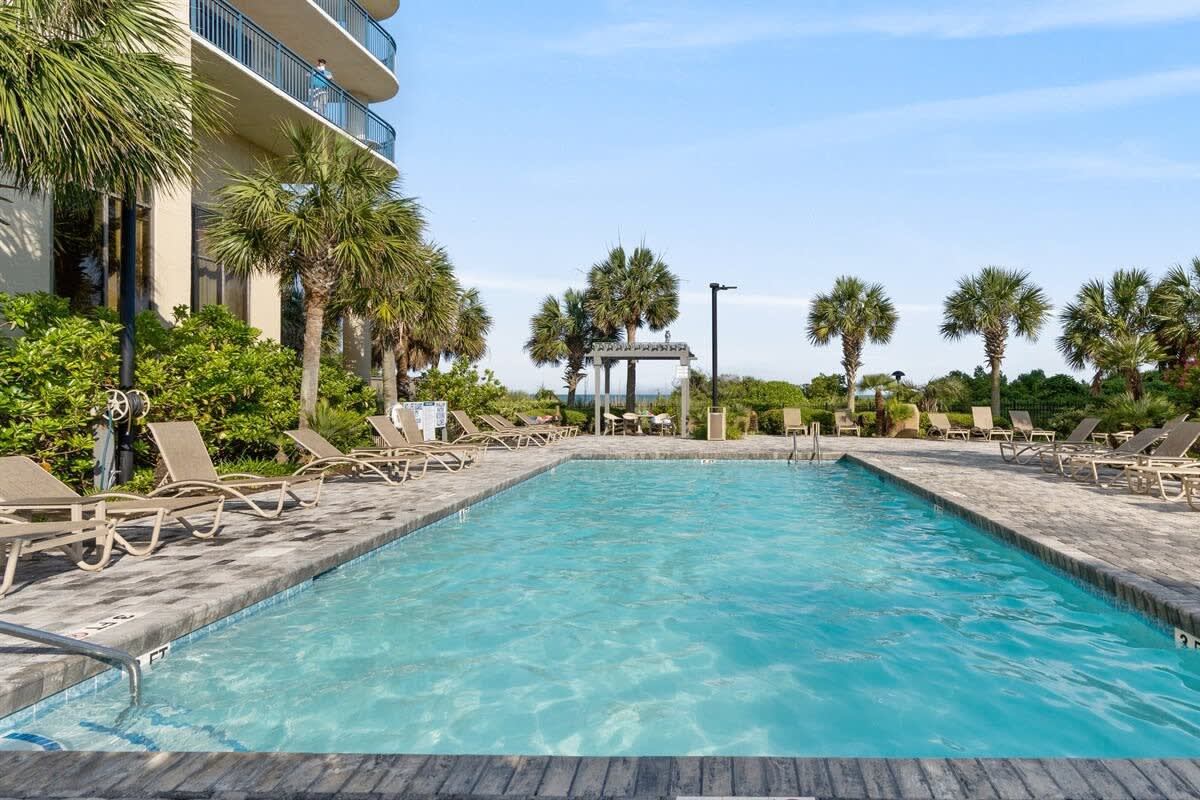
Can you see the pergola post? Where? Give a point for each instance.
(685, 387)
(607, 385)
(596, 397)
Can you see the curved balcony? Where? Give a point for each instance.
(363, 28)
(238, 37)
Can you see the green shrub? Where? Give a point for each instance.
(572, 417)
(770, 422)
(210, 367)
(463, 388)
(343, 427)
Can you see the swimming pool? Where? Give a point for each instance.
(666, 608)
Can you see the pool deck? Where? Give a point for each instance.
(1142, 550)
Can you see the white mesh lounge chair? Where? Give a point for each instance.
(985, 426)
(1026, 452)
(190, 469)
(411, 434)
(27, 489)
(793, 422)
(392, 468)
(19, 539)
(843, 421)
(1023, 424)
(941, 427)
(471, 434)
(1059, 460)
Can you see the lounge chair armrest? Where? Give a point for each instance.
(244, 475)
(118, 496)
(1153, 461)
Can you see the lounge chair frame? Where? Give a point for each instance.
(18, 539)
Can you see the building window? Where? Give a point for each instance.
(87, 250)
(212, 284)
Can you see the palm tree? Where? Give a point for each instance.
(857, 312)
(92, 93)
(1176, 310)
(1102, 312)
(629, 291)
(1125, 354)
(879, 383)
(562, 332)
(994, 304)
(326, 216)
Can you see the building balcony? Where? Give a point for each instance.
(381, 9)
(268, 83)
(360, 52)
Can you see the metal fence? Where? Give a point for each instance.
(363, 27)
(242, 39)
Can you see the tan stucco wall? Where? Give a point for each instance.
(171, 248)
(220, 156)
(26, 243)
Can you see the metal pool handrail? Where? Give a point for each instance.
(109, 655)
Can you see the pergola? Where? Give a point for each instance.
(605, 354)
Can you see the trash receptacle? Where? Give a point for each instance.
(716, 423)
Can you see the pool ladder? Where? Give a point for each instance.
(109, 655)
(814, 456)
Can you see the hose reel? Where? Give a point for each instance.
(122, 408)
(127, 406)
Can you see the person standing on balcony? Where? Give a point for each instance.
(320, 86)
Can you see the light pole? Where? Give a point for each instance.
(716, 287)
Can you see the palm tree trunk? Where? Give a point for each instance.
(1137, 384)
(995, 364)
(879, 413)
(403, 381)
(851, 352)
(310, 375)
(390, 396)
(631, 372)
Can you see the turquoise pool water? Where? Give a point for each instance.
(648, 608)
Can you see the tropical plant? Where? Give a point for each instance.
(627, 291)
(1124, 411)
(462, 387)
(1176, 310)
(995, 304)
(858, 313)
(1102, 312)
(93, 93)
(326, 215)
(941, 393)
(879, 383)
(560, 334)
(344, 427)
(1125, 354)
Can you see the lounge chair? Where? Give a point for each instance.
(1171, 453)
(471, 434)
(1058, 459)
(392, 469)
(612, 422)
(842, 421)
(26, 488)
(941, 427)
(1023, 424)
(412, 435)
(793, 422)
(190, 469)
(501, 425)
(1168, 462)
(18, 539)
(1026, 452)
(395, 444)
(663, 423)
(569, 431)
(985, 426)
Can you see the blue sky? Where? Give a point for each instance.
(776, 145)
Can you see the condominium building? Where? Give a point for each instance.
(262, 54)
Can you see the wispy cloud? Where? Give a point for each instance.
(958, 22)
(1129, 163)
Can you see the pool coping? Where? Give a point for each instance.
(457, 777)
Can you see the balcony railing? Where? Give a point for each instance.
(363, 27)
(236, 35)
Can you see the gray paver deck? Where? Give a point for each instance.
(1141, 550)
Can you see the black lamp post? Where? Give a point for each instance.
(716, 287)
(897, 375)
(127, 307)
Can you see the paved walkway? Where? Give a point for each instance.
(1141, 549)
